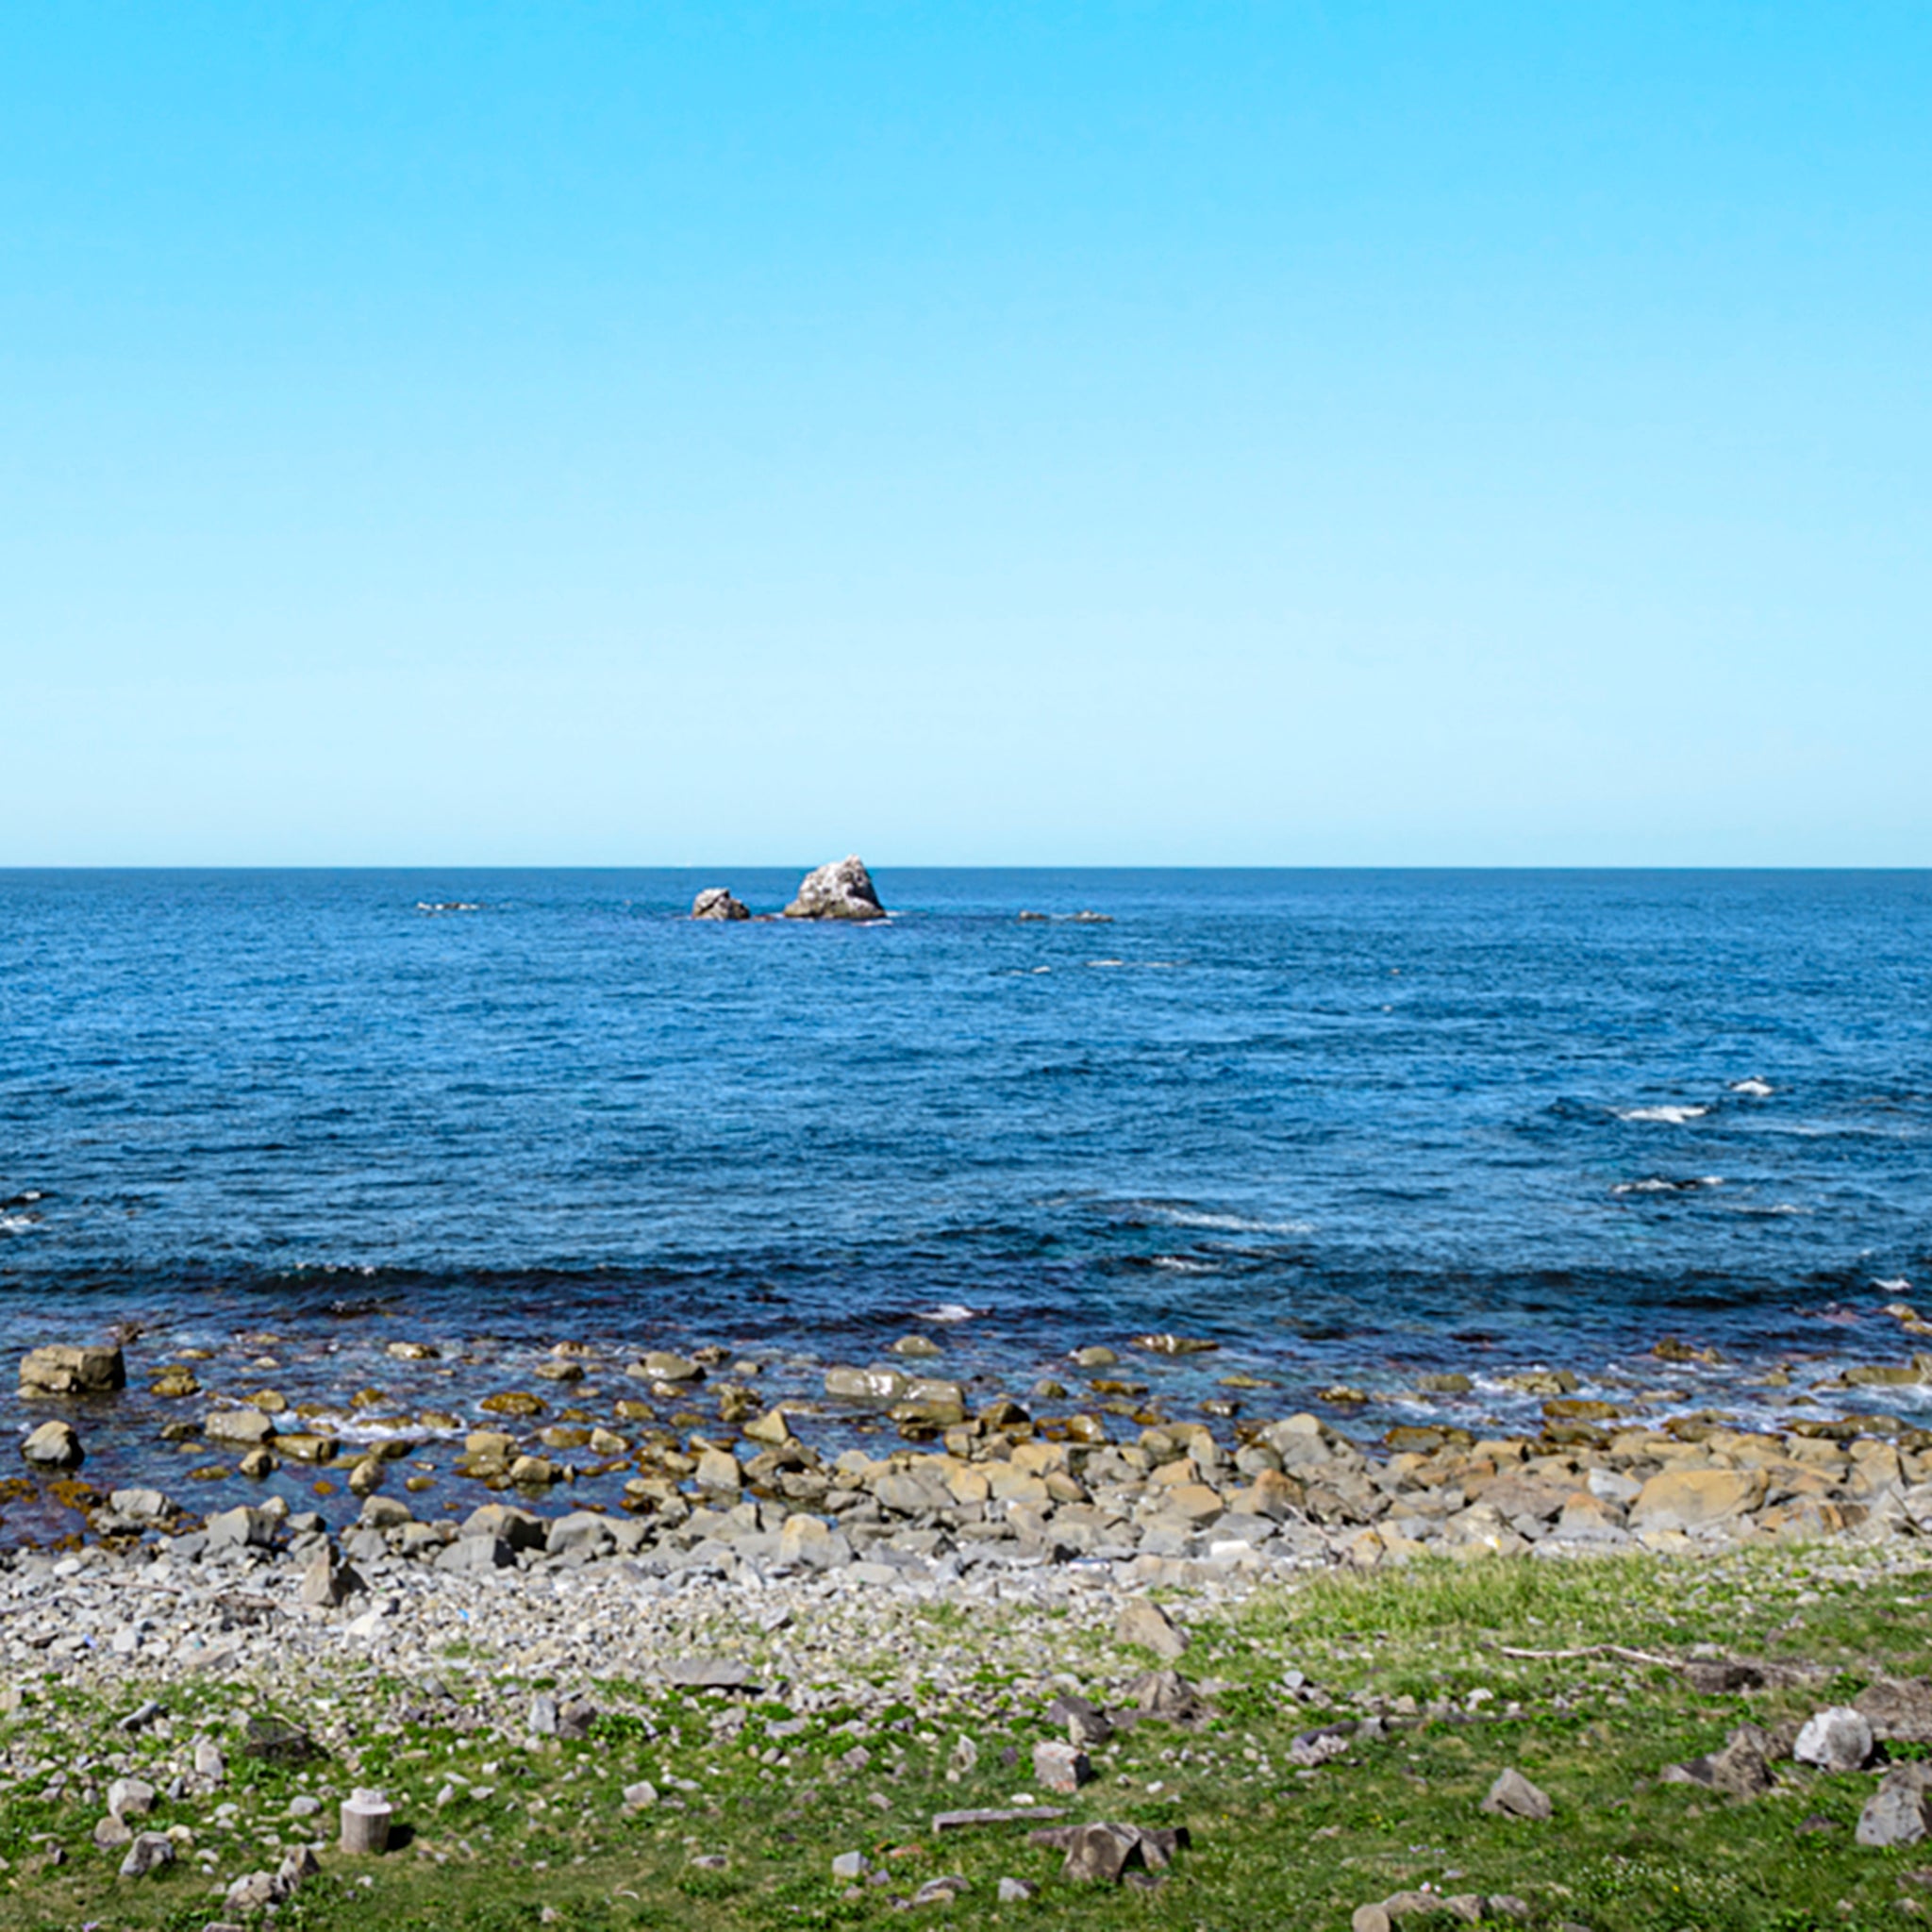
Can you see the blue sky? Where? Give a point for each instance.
(1168, 434)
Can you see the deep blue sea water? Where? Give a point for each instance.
(1350, 1125)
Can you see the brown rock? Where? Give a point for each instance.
(58, 1370)
(1695, 1499)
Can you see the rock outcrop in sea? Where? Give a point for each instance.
(715, 901)
(841, 890)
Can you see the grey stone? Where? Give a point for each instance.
(148, 1853)
(851, 1866)
(1897, 1813)
(54, 1445)
(130, 1797)
(1167, 1696)
(1086, 1726)
(517, 1527)
(1835, 1740)
(1898, 1709)
(1015, 1891)
(1740, 1770)
(254, 1891)
(1061, 1767)
(143, 1506)
(707, 1673)
(942, 1891)
(247, 1428)
(639, 1796)
(715, 902)
(243, 1527)
(111, 1833)
(1148, 1626)
(842, 889)
(542, 1715)
(325, 1583)
(581, 1530)
(470, 1555)
(1512, 1795)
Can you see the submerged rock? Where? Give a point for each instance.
(841, 890)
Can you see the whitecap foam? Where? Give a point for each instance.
(950, 1312)
(1755, 1087)
(1670, 1116)
(1897, 1285)
(1185, 1264)
(1225, 1224)
(1656, 1184)
(17, 1224)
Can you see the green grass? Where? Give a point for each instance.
(1272, 1848)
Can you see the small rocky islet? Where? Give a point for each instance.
(841, 890)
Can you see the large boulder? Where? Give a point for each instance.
(715, 902)
(841, 890)
(61, 1371)
(1695, 1500)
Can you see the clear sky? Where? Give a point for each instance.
(1297, 434)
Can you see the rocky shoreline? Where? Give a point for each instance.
(740, 1490)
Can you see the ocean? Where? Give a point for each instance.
(1353, 1127)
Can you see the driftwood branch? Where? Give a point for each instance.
(1616, 1650)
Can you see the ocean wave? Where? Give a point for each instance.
(1185, 1264)
(1170, 1216)
(17, 1224)
(1656, 1184)
(1672, 1116)
(949, 1311)
(1757, 1089)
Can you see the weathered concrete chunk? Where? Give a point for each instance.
(970, 1821)
(1512, 1795)
(58, 1370)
